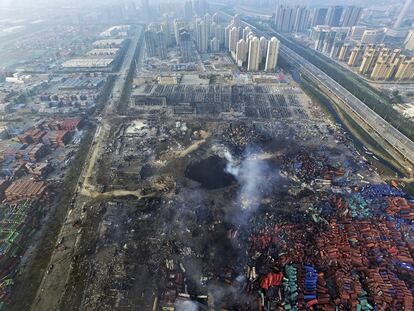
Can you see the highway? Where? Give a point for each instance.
(398, 141)
(390, 134)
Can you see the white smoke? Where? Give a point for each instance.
(185, 305)
(232, 166)
(253, 174)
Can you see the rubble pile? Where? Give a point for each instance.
(302, 232)
(239, 136)
(354, 253)
(308, 167)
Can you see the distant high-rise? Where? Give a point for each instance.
(386, 64)
(403, 13)
(319, 16)
(208, 21)
(344, 52)
(241, 52)
(395, 55)
(381, 69)
(405, 70)
(368, 60)
(351, 16)
(319, 35)
(334, 40)
(216, 18)
(177, 26)
(292, 19)
(285, 18)
(227, 36)
(234, 37)
(301, 19)
(203, 7)
(373, 36)
(263, 48)
(272, 55)
(357, 32)
(202, 36)
(335, 50)
(199, 7)
(154, 27)
(188, 9)
(246, 31)
(213, 30)
(334, 15)
(162, 44)
(219, 33)
(409, 41)
(329, 41)
(150, 43)
(186, 45)
(236, 20)
(355, 57)
(196, 6)
(254, 55)
(214, 45)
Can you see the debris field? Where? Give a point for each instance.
(213, 211)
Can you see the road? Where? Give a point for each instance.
(394, 138)
(54, 283)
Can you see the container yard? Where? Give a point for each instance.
(19, 223)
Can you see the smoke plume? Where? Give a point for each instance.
(185, 305)
(255, 176)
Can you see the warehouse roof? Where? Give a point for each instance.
(88, 63)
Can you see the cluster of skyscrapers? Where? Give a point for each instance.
(329, 40)
(209, 34)
(301, 18)
(364, 49)
(378, 62)
(156, 41)
(205, 31)
(195, 7)
(248, 50)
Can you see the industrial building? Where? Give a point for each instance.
(119, 30)
(92, 64)
(108, 43)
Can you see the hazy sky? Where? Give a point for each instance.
(59, 3)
